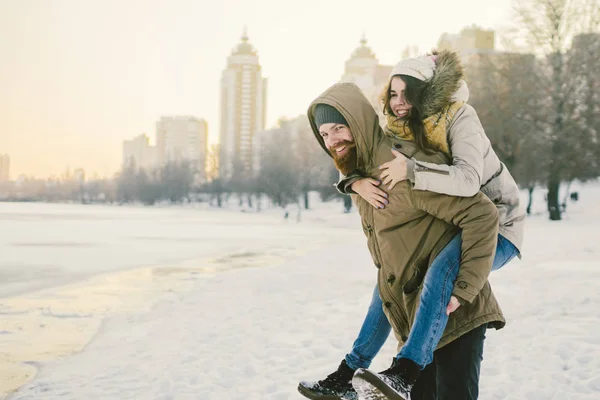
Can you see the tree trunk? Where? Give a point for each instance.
(530, 202)
(258, 202)
(564, 203)
(553, 204)
(559, 103)
(306, 205)
(347, 204)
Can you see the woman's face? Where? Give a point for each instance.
(398, 102)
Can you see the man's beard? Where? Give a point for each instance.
(347, 162)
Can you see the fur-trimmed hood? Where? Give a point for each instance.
(444, 94)
(444, 82)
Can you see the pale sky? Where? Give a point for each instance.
(77, 77)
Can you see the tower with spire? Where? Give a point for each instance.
(363, 69)
(243, 109)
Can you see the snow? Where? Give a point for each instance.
(195, 303)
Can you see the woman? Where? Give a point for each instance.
(425, 102)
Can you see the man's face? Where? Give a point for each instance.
(338, 139)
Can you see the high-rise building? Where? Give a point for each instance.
(4, 167)
(479, 55)
(469, 42)
(363, 69)
(138, 152)
(183, 138)
(243, 109)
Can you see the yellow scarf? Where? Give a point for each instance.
(435, 127)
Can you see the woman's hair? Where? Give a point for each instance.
(413, 94)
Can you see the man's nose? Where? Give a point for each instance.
(334, 140)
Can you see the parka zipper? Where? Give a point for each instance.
(398, 312)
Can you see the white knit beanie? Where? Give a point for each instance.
(421, 68)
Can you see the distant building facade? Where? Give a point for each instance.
(243, 110)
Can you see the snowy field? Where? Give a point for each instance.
(192, 303)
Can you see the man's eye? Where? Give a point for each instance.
(323, 134)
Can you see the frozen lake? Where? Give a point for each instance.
(180, 303)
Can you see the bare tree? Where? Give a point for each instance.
(583, 67)
(506, 92)
(549, 26)
(176, 180)
(313, 163)
(127, 185)
(150, 187)
(215, 183)
(279, 179)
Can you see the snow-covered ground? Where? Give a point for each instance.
(180, 303)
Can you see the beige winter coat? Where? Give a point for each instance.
(475, 166)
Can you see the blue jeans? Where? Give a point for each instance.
(430, 319)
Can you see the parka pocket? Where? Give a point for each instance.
(411, 302)
(416, 281)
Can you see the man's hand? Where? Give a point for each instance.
(394, 171)
(452, 306)
(368, 190)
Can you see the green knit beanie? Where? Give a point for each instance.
(326, 114)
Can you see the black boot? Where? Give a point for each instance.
(337, 386)
(395, 383)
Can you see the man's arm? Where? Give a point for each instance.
(345, 182)
(477, 217)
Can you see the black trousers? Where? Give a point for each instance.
(454, 372)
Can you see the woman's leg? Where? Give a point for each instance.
(376, 328)
(372, 335)
(431, 319)
(505, 252)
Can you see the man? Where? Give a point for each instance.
(403, 239)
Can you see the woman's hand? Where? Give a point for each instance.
(368, 190)
(453, 305)
(394, 171)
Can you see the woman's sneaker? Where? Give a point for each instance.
(337, 386)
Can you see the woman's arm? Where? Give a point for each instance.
(468, 145)
(344, 185)
(367, 188)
